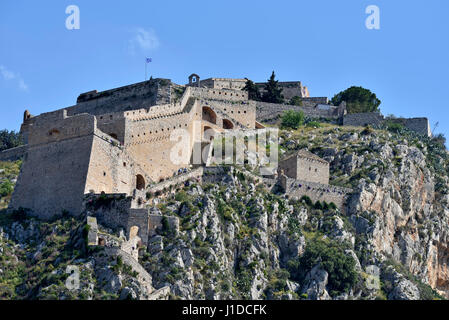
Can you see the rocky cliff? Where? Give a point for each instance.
(237, 239)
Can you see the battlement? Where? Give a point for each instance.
(219, 94)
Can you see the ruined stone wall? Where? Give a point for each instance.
(112, 211)
(139, 218)
(290, 167)
(374, 119)
(315, 191)
(155, 221)
(271, 111)
(176, 180)
(309, 101)
(419, 125)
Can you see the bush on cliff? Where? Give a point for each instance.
(331, 257)
(292, 119)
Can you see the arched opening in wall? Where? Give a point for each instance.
(208, 134)
(140, 182)
(227, 124)
(113, 135)
(209, 115)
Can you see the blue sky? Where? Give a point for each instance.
(325, 44)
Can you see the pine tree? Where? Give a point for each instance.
(253, 91)
(273, 93)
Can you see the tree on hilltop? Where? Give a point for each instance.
(253, 91)
(358, 99)
(272, 92)
(9, 139)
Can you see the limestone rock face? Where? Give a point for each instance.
(315, 284)
(237, 239)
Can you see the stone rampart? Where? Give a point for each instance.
(373, 119)
(315, 191)
(271, 111)
(219, 94)
(13, 154)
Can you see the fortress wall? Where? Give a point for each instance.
(219, 94)
(153, 112)
(290, 167)
(290, 89)
(374, 119)
(221, 83)
(156, 222)
(315, 191)
(241, 114)
(311, 170)
(13, 154)
(53, 177)
(112, 124)
(139, 218)
(113, 212)
(57, 126)
(149, 143)
(110, 170)
(314, 100)
(139, 95)
(54, 171)
(270, 111)
(176, 180)
(419, 125)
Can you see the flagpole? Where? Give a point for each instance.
(145, 69)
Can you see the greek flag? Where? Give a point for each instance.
(149, 60)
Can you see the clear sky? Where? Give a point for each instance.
(323, 43)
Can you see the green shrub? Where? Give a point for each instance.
(318, 205)
(332, 257)
(394, 127)
(181, 196)
(292, 119)
(296, 101)
(313, 124)
(6, 188)
(307, 200)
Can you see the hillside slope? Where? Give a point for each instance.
(239, 240)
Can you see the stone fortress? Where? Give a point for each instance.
(118, 143)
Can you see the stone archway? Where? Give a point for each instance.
(209, 115)
(227, 124)
(140, 182)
